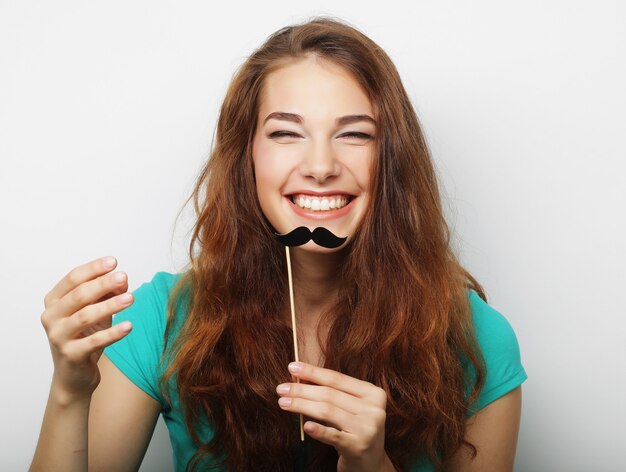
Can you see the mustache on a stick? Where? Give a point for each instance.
(302, 235)
(297, 237)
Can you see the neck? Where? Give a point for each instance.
(315, 282)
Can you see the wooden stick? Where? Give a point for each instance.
(293, 327)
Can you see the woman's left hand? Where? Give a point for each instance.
(353, 410)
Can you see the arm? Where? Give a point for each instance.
(122, 418)
(494, 431)
(62, 441)
(85, 385)
(109, 430)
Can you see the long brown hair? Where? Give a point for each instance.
(402, 319)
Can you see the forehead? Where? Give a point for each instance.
(314, 88)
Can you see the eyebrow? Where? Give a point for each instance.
(344, 120)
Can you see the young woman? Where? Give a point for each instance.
(403, 366)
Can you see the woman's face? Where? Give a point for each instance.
(313, 148)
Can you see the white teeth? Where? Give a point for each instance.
(331, 202)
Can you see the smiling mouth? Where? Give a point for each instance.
(326, 203)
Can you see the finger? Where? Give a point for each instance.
(79, 350)
(88, 293)
(326, 412)
(77, 276)
(326, 434)
(96, 313)
(319, 393)
(339, 381)
(115, 291)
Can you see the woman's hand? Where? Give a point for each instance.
(78, 322)
(353, 412)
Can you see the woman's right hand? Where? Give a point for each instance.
(78, 321)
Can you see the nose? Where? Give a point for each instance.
(320, 163)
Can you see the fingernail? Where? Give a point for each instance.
(284, 401)
(309, 427)
(283, 388)
(125, 298)
(295, 367)
(109, 262)
(125, 326)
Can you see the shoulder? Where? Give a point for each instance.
(492, 328)
(162, 284)
(500, 348)
(154, 294)
(150, 298)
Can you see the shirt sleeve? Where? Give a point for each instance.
(500, 349)
(137, 354)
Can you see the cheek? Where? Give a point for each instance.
(266, 174)
(364, 178)
(360, 167)
(270, 177)
(265, 195)
(262, 165)
(368, 170)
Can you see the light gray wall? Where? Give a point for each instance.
(107, 112)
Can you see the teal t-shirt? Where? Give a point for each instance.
(137, 356)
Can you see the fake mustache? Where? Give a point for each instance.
(302, 235)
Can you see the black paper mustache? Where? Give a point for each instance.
(302, 235)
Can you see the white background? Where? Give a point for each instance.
(107, 112)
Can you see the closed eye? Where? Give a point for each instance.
(357, 135)
(278, 134)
